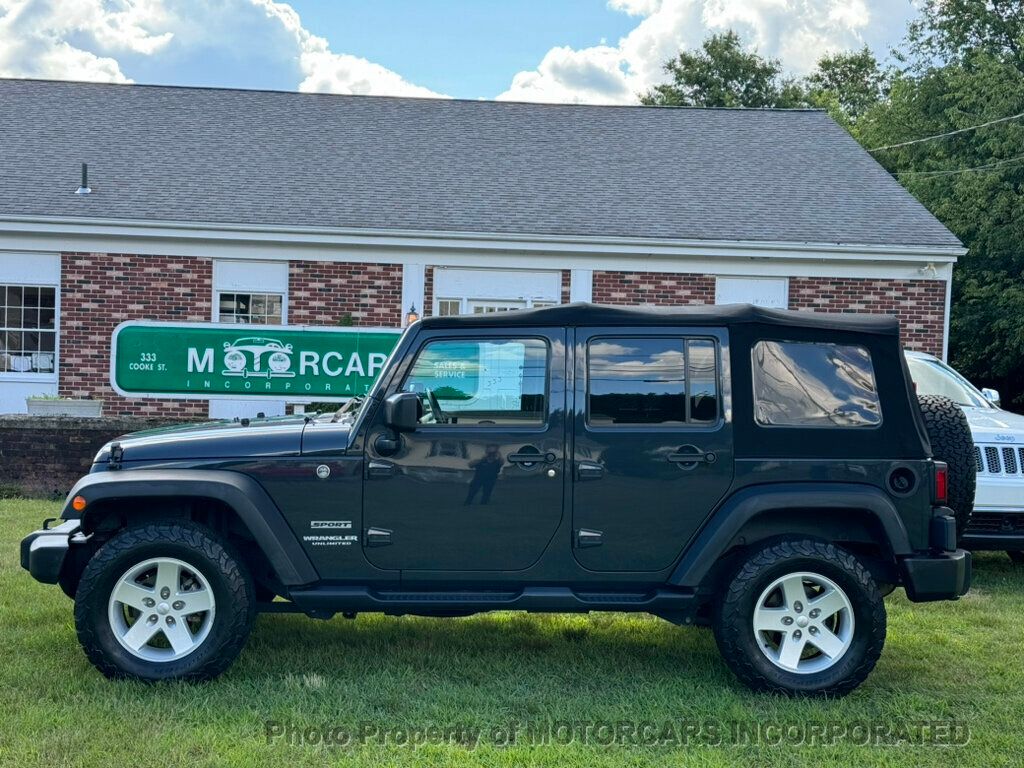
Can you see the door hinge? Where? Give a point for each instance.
(588, 538)
(377, 537)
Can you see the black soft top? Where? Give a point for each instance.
(582, 314)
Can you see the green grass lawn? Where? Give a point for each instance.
(959, 663)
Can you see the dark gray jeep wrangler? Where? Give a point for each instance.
(767, 473)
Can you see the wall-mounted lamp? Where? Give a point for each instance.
(929, 270)
(412, 316)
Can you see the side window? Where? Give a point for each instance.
(652, 380)
(483, 382)
(810, 384)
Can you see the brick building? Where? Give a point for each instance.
(307, 209)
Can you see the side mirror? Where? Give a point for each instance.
(992, 395)
(402, 411)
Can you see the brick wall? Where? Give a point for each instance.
(919, 304)
(566, 285)
(100, 290)
(45, 456)
(325, 292)
(428, 292)
(655, 288)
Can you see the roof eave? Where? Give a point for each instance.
(163, 230)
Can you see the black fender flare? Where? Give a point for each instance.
(723, 526)
(254, 507)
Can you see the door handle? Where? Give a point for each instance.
(379, 469)
(589, 470)
(377, 537)
(692, 455)
(532, 457)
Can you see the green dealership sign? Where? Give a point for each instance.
(209, 360)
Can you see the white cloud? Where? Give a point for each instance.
(34, 37)
(797, 31)
(329, 72)
(93, 39)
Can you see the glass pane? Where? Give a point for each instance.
(47, 297)
(636, 381)
(13, 342)
(47, 341)
(46, 318)
(259, 304)
(448, 307)
(12, 318)
(30, 317)
(30, 341)
(482, 382)
(31, 297)
(14, 294)
(274, 305)
(801, 384)
(703, 378)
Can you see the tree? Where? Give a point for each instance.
(847, 84)
(723, 74)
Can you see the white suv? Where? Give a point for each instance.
(998, 519)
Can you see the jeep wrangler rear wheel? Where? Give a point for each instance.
(801, 617)
(164, 601)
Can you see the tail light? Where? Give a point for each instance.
(941, 482)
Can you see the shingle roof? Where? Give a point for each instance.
(293, 159)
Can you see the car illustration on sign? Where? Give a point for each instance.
(252, 349)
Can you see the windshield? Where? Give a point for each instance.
(932, 377)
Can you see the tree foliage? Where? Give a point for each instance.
(723, 74)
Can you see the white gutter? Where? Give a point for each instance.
(118, 232)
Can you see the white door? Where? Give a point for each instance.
(760, 291)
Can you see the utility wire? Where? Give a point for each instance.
(986, 167)
(948, 133)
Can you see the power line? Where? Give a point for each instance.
(948, 133)
(986, 167)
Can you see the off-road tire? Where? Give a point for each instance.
(197, 546)
(733, 619)
(950, 436)
(1016, 556)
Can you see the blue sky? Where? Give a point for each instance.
(597, 51)
(461, 47)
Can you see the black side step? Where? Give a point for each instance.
(327, 599)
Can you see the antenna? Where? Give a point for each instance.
(83, 188)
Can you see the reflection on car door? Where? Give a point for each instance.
(479, 485)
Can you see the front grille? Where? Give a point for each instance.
(1002, 460)
(986, 522)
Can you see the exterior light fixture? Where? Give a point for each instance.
(412, 316)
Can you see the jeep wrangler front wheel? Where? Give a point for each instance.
(801, 616)
(164, 601)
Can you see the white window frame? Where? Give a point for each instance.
(35, 270)
(264, 277)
